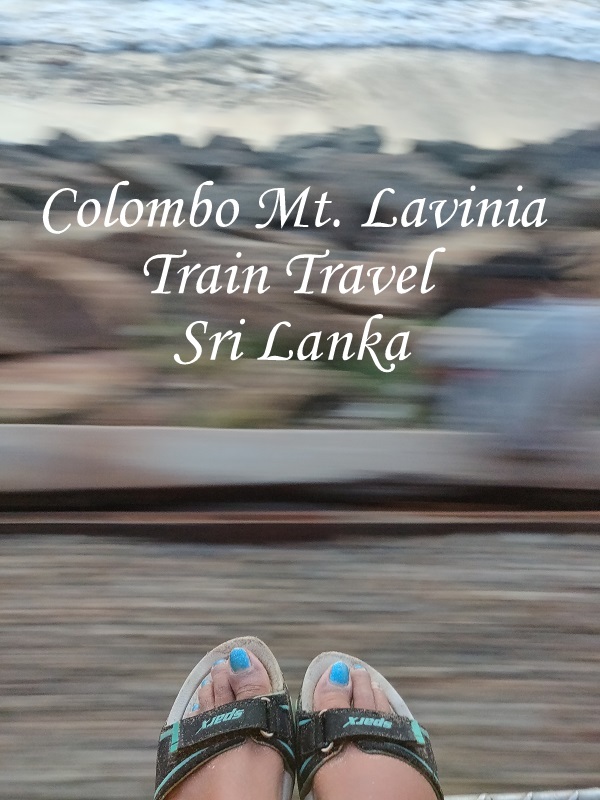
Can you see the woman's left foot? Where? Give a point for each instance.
(354, 774)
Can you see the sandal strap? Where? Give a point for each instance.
(189, 743)
(319, 735)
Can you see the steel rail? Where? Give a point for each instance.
(276, 525)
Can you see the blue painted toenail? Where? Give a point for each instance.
(206, 681)
(195, 707)
(239, 659)
(358, 666)
(220, 661)
(339, 674)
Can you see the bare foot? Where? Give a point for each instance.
(251, 771)
(354, 775)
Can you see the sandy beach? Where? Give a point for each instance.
(491, 100)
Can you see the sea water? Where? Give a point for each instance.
(568, 28)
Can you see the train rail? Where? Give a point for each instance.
(273, 526)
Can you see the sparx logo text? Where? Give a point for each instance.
(236, 713)
(369, 722)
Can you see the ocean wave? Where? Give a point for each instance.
(570, 28)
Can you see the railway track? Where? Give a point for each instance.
(492, 640)
(294, 525)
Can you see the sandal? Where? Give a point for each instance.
(187, 743)
(321, 735)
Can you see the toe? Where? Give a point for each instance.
(362, 689)
(223, 693)
(203, 698)
(334, 689)
(206, 695)
(247, 675)
(381, 702)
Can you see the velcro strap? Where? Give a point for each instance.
(240, 717)
(316, 731)
(191, 742)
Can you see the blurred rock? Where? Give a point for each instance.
(219, 159)
(32, 192)
(55, 303)
(568, 160)
(584, 203)
(148, 178)
(362, 139)
(467, 160)
(231, 143)
(67, 147)
(14, 209)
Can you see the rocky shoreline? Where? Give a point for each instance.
(84, 340)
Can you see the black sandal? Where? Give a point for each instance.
(321, 735)
(187, 742)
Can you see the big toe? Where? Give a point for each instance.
(344, 686)
(334, 688)
(247, 675)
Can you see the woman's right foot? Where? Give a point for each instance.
(251, 771)
(353, 774)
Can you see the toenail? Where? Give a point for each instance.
(196, 706)
(358, 666)
(239, 659)
(339, 674)
(220, 661)
(206, 681)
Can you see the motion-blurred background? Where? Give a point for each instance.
(493, 640)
